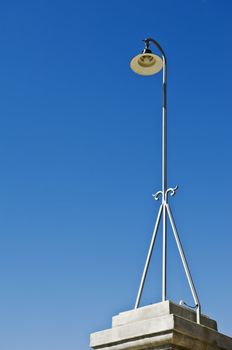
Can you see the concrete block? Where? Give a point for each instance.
(162, 326)
(160, 309)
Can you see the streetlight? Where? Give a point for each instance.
(147, 63)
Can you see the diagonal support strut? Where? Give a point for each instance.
(147, 263)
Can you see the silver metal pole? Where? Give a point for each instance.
(148, 257)
(164, 256)
(164, 166)
(164, 179)
(185, 264)
(164, 129)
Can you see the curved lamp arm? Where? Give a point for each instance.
(147, 42)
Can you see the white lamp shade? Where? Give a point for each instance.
(146, 64)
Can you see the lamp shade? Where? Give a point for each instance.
(146, 64)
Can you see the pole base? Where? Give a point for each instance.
(165, 325)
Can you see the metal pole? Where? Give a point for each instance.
(148, 257)
(164, 117)
(164, 167)
(164, 255)
(164, 129)
(164, 179)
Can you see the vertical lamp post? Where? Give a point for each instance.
(148, 63)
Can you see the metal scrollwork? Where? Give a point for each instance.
(171, 191)
(157, 195)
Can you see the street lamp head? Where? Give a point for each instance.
(146, 63)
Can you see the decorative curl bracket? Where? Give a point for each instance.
(157, 195)
(170, 191)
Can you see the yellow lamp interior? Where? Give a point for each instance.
(146, 64)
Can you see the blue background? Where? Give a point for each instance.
(80, 156)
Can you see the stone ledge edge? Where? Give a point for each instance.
(177, 329)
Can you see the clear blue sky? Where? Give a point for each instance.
(80, 157)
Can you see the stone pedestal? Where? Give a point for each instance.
(162, 326)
